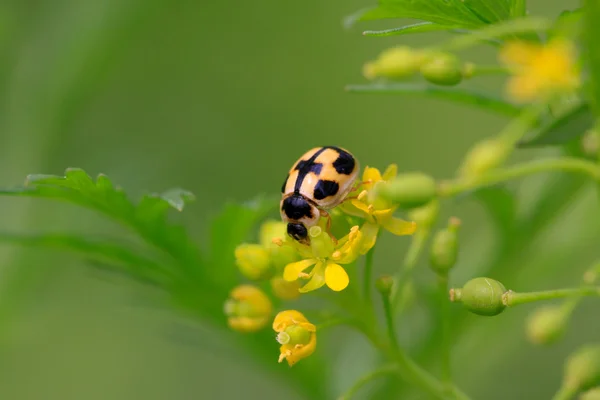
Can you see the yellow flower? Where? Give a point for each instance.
(297, 336)
(540, 70)
(248, 309)
(325, 258)
(377, 212)
(262, 260)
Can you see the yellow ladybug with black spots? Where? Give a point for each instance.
(320, 180)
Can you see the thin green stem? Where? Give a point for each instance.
(330, 323)
(368, 377)
(511, 298)
(445, 324)
(410, 370)
(566, 164)
(473, 70)
(411, 258)
(367, 287)
(496, 31)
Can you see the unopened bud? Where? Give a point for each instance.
(482, 296)
(444, 248)
(395, 63)
(248, 309)
(484, 156)
(409, 190)
(590, 143)
(547, 324)
(384, 284)
(285, 290)
(582, 368)
(443, 69)
(254, 261)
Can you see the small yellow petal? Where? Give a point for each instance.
(286, 318)
(518, 53)
(336, 277)
(360, 205)
(400, 227)
(317, 280)
(390, 172)
(292, 271)
(371, 174)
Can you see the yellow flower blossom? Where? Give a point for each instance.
(377, 212)
(325, 258)
(297, 336)
(248, 309)
(540, 70)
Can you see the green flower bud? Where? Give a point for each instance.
(482, 296)
(443, 69)
(483, 157)
(254, 261)
(395, 63)
(547, 324)
(582, 368)
(294, 334)
(592, 394)
(384, 284)
(426, 215)
(410, 190)
(444, 248)
(248, 309)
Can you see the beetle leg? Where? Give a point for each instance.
(328, 227)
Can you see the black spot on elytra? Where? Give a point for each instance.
(325, 189)
(284, 183)
(306, 166)
(296, 207)
(345, 162)
(297, 231)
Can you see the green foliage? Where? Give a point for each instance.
(420, 27)
(452, 13)
(570, 125)
(592, 53)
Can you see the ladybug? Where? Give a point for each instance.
(320, 180)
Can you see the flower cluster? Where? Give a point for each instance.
(293, 268)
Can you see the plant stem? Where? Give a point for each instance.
(410, 370)
(511, 298)
(473, 70)
(362, 381)
(566, 164)
(495, 31)
(445, 324)
(367, 291)
(417, 245)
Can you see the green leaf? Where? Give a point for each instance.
(100, 250)
(407, 29)
(444, 12)
(458, 95)
(569, 126)
(518, 8)
(591, 29)
(501, 206)
(490, 11)
(148, 217)
(230, 228)
(567, 24)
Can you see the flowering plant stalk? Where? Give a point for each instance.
(252, 280)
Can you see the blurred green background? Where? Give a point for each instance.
(221, 98)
